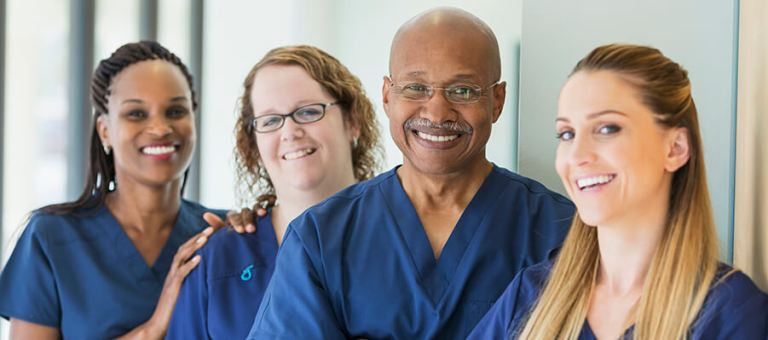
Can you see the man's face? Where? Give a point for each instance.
(441, 135)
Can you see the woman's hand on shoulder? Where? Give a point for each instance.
(242, 221)
(183, 262)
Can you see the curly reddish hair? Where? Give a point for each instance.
(337, 81)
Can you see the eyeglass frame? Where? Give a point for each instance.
(283, 116)
(431, 91)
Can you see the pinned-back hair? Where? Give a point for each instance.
(101, 167)
(685, 262)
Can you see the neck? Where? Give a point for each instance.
(435, 192)
(627, 249)
(292, 202)
(143, 208)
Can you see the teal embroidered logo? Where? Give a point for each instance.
(247, 274)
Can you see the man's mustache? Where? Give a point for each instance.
(458, 127)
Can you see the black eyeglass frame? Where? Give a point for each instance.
(283, 116)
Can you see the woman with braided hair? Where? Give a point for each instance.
(110, 264)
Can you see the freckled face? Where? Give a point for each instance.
(611, 156)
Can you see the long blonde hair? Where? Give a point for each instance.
(686, 261)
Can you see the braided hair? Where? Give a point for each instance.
(100, 175)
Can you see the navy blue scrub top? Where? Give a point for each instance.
(81, 273)
(733, 309)
(360, 263)
(221, 295)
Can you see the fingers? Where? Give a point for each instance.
(236, 221)
(190, 247)
(247, 216)
(187, 267)
(213, 220)
(242, 221)
(261, 212)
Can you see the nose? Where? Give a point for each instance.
(291, 130)
(437, 108)
(581, 152)
(159, 125)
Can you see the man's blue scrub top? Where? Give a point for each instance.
(734, 308)
(81, 273)
(221, 295)
(360, 264)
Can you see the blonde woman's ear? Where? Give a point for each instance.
(679, 151)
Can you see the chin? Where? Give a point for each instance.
(306, 183)
(436, 166)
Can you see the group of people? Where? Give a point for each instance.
(446, 245)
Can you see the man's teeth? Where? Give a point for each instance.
(298, 154)
(591, 181)
(434, 138)
(158, 150)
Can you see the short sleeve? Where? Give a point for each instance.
(296, 304)
(28, 284)
(735, 309)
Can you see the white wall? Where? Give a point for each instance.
(358, 33)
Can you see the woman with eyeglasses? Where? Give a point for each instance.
(641, 258)
(305, 131)
(111, 263)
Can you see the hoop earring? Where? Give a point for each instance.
(354, 143)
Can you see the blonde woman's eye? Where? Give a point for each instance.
(565, 135)
(609, 129)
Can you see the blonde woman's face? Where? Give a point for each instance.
(612, 158)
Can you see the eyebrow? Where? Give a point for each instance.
(300, 104)
(458, 77)
(594, 115)
(139, 101)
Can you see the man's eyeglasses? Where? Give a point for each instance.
(459, 94)
(303, 115)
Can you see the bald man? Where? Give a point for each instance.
(423, 250)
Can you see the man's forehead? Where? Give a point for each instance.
(437, 74)
(445, 36)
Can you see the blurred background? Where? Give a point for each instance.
(48, 49)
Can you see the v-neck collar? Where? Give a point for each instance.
(128, 254)
(436, 274)
(588, 334)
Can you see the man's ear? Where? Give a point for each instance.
(678, 149)
(385, 94)
(499, 95)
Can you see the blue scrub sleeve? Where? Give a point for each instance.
(295, 305)
(190, 316)
(27, 284)
(496, 323)
(739, 311)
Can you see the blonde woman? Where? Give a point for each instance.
(641, 258)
